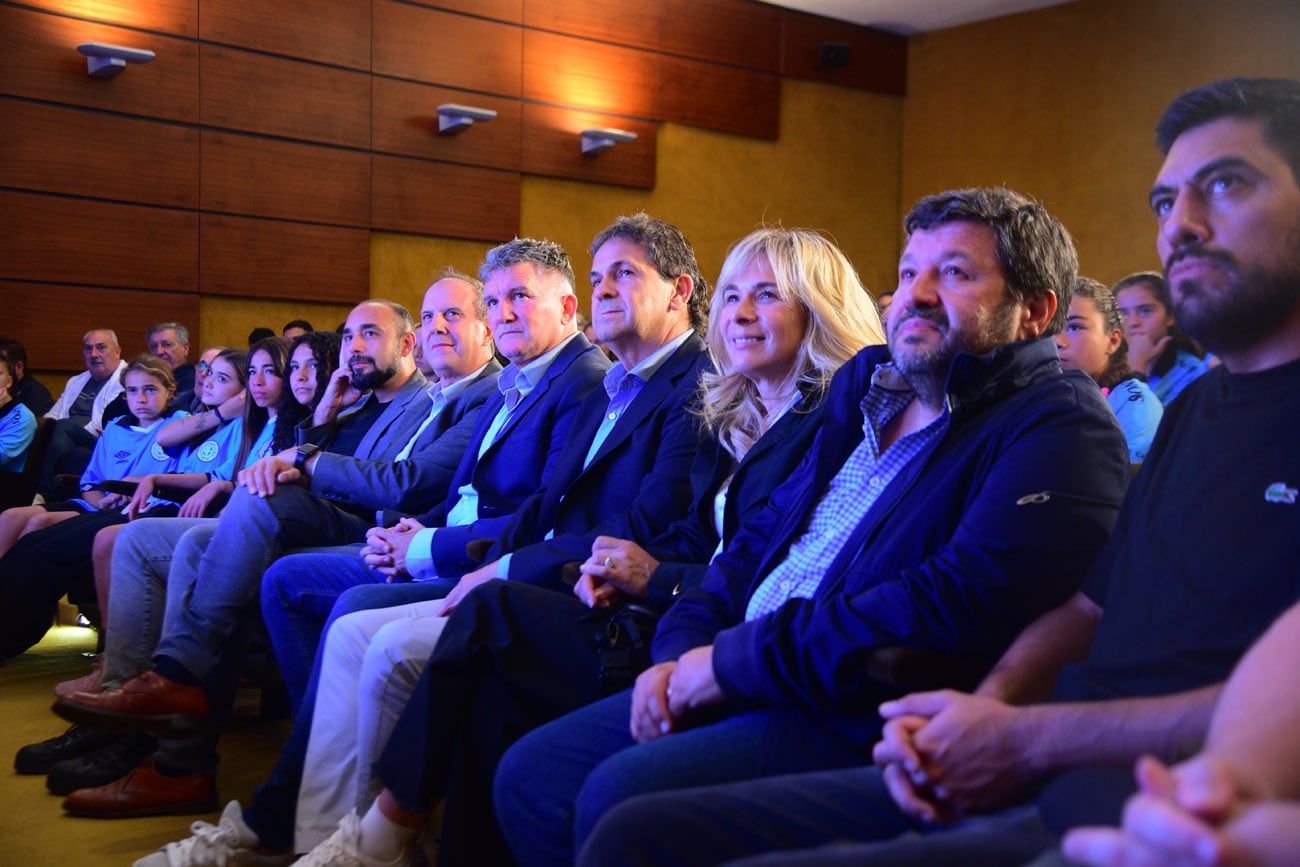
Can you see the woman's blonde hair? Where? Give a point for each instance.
(813, 273)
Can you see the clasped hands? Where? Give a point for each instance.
(665, 694)
(949, 754)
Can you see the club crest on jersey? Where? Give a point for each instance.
(207, 451)
(157, 452)
(1278, 492)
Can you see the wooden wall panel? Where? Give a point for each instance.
(552, 147)
(878, 59)
(273, 259)
(719, 97)
(444, 48)
(405, 122)
(576, 72)
(62, 240)
(737, 32)
(39, 60)
(442, 199)
(329, 31)
(733, 32)
(510, 11)
(178, 17)
(50, 320)
(264, 178)
(86, 153)
(290, 98)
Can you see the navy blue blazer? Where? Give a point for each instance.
(996, 523)
(422, 480)
(524, 456)
(637, 483)
(685, 548)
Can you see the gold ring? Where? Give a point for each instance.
(609, 563)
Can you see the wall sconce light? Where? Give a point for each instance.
(454, 119)
(105, 61)
(597, 141)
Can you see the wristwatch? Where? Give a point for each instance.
(304, 452)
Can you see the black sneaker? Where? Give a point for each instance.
(102, 766)
(76, 741)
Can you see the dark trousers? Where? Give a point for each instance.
(511, 658)
(40, 568)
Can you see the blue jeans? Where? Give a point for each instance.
(317, 580)
(556, 782)
(221, 580)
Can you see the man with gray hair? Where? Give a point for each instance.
(170, 341)
(80, 409)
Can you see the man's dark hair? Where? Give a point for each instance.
(520, 251)
(405, 321)
(1274, 102)
(1035, 250)
(259, 334)
(669, 251)
(14, 351)
(297, 323)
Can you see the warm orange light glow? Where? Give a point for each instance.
(126, 13)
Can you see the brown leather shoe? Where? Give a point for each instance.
(150, 703)
(145, 792)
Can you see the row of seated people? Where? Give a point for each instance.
(158, 461)
(92, 399)
(1163, 358)
(949, 491)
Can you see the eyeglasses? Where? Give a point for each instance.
(203, 367)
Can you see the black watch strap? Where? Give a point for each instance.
(304, 452)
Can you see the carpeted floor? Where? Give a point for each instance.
(34, 831)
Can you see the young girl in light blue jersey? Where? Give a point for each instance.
(1093, 342)
(17, 424)
(1170, 360)
(209, 469)
(126, 449)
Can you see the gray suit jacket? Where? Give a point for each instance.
(423, 478)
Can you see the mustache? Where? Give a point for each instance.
(362, 359)
(1220, 256)
(933, 315)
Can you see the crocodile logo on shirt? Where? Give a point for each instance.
(1278, 492)
(207, 451)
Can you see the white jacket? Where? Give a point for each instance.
(111, 389)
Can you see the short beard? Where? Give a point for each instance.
(1252, 306)
(375, 378)
(926, 371)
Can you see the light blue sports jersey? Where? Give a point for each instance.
(127, 450)
(214, 455)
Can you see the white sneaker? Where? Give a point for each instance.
(343, 849)
(229, 843)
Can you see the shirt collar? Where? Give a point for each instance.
(450, 391)
(647, 367)
(525, 379)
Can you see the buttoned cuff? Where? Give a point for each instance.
(419, 555)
